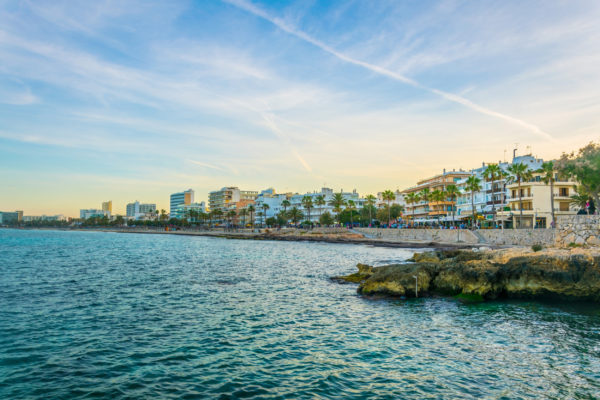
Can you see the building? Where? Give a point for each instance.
(327, 193)
(231, 197)
(10, 217)
(177, 199)
(537, 208)
(187, 211)
(490, 200)
(400, 199)
(93, 213)
(43, 218)
(274, 202)
(107, 206)
(139, 210)
(428, 210)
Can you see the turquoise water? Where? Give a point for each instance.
(106, 315)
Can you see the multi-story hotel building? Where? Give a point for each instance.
(429, 210)
(107, 206)
(535, 197)
(139, 210)
(180, 198)
(231, 197)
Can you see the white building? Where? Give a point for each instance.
(139, 210)
(92, 212)
(327, 193)
(183, 210)
(490, 199)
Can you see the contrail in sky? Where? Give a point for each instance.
(281, 24)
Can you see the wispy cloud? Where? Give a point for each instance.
(281, 24)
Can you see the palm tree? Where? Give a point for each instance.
(243, 213)
(351, 207)
(519, 172)
(308, 205)
(251, 210)
(581, 200)
(424, 195)
(217, 213)
(231, 214)
(412, 198)
(295, 215)
(547, 171)
(452, 192)
(337, 202)
(389, 196)
(438, 196)
(265, 207)
(370, 202)
(163, 215)
(493, 172)
(285, 204)
(473, 185)
(320, 202)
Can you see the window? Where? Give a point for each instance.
(563, 192)
(563, 206)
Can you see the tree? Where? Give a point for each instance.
(326, 219)
(251, 210)
(163, 215)
(285, 204)
(438, 196)
(473, 185)
(581, 200)
(519, 172)
(453, 192)
(337, 202)
(320, 202)
(388, 196)
(425, 195)
(585, 169)
(231, 214)
(413, 198)
(295, 215)
(493, 172)
(351, 206)
(308, 205)
(370, 203)
(243, 213)
(265, 207)
(217, 214)
(547, 175)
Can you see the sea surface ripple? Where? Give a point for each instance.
(114, 316)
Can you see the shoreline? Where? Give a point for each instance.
(295, 237)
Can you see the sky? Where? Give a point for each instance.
(134, 100)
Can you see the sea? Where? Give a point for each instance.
(138, 316)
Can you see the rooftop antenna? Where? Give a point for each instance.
(529, 150)
(515, 150)
(504, 155)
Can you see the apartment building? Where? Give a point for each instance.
(428, 210)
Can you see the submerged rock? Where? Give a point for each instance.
(564, 274)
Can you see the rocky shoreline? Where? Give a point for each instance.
(472, 275)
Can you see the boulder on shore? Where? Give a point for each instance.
(509, 273)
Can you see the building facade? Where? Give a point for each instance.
(180, 198)
(535, 198)
(10, 217)
(188, 211)
(93, 213)
(428, 210)
(107, 206)
(227, 198)
(137, 210)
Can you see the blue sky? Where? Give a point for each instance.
(129, 100)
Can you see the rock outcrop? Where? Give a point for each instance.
(509, 273)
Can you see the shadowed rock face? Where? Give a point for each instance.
(493, 274)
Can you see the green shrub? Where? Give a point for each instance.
(536, 247)
(573, 245)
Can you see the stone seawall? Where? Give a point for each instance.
(420, 235)
(519, 237)
(578, 229)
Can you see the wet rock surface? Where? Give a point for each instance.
(509, 273)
